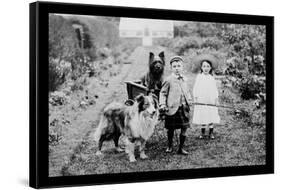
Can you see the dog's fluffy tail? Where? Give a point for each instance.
(100, 128)
(104, 119)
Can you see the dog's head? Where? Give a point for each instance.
(148, 104)
(156, 63)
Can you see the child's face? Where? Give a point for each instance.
(206, 67)
(177, 67)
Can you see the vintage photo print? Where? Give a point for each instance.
(136, 95)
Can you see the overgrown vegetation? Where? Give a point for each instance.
(246, 59)
(240, 50)
(79, 46)
(80, 50)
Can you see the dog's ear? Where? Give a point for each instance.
(140, 101)
(151, 57)
(140, 98)
(162, 56)
(155, 100)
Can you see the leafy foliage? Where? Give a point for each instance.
(199, 29)
(75, 43)
(212, 43)
(63, 42)
(246, 59)
(63, 47)
(183, 44)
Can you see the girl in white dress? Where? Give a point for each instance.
(205, 91)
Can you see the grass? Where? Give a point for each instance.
(233, 146)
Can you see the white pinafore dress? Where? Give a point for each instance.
(206, 91)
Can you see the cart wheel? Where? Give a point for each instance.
(129, 102)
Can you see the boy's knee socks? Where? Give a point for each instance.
(203, 131)
(170, 138)
(182, 139)
(211, 131)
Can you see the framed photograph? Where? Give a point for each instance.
(121, 94)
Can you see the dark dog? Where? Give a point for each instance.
(153, 79)
(136, 123)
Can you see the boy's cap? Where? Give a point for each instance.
(176, 58)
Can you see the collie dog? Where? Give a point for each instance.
(136, 122)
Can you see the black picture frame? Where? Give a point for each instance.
(39, 12)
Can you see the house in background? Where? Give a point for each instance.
(147, 29)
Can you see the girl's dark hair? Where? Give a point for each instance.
(210, 63)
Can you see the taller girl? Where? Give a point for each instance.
(205, 91)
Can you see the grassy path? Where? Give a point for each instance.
(83, 121)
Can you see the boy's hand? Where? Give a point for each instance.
(163, 108)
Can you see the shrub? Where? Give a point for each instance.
(75, 40)
(165, 42)
(182, 45)
(200, 29)
(212, 43)
(250, 86)
(63, 42)
(79, 83)
(58, 98)
(246, 59)
(63, 47)
(56, 75)
(55, 132)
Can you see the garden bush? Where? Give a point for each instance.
(212, 43)
(246, 60)
(182, 45)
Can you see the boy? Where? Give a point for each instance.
(174, 97)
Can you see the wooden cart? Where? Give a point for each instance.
(134, 89)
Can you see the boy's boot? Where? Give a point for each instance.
(211, 133)
(170, 135)
(181, 150)
(202, 133)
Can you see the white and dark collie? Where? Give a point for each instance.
(136, 122)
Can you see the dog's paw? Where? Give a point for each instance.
(132, 159)
(119, 149)
(143, 156)
(127, 151)
(98, 153)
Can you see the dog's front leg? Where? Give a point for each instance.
(141, 149)
(101, 140)
(116, 140)
(130, 150)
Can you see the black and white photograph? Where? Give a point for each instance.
(138, 94)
